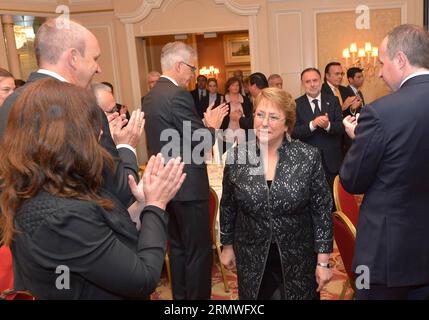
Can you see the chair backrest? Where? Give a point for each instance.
(345, 202)
(214, 211)
(345, 237)
(16, 295)
(6, 272)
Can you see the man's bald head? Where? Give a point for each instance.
(68, 49)
(54, 37)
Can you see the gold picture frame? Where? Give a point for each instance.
(236, 49)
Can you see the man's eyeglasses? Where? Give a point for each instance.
(273, 118)
(193, 68)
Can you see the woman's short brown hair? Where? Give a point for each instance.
(284, 100)
(51, 144)
(231, 81)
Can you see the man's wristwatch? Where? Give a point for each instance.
(324, 265)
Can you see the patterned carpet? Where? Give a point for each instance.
(331, 292)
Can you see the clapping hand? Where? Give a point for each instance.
(213, 117)
(321, 121)
(116, 121)
(348, 102)
(136, 189)
(161, 183)
(350, 123)
(356, 103)
(131, 133)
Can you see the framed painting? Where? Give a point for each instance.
(236, 49)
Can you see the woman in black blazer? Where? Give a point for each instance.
(65, 231)
(214, 97)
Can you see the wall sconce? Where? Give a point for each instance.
(364, 58)
(210, 72)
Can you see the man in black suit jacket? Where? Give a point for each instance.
(77, 64)
(389, 162)
(319, 122)
(172, 125)
(356, 79)
(333, 78)
(201, 95)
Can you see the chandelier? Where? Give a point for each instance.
(210, 72)
(363, 57)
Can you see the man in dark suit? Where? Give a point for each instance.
(389, 162)
(75, 61)
(201, 95)
(356, 79)
(172, 126)
(319, 122)
(333, 78)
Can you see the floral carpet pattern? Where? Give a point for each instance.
(332, 290)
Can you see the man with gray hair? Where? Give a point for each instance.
(67, 51)
(169, 107)
(389, 162)
(275, 80)
(105, 99)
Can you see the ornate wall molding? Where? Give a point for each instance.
(240, 9)
(148, 5)
(141, 13)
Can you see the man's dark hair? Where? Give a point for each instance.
(351, 72)
(328, 66)
(201, 76)
(259, 79)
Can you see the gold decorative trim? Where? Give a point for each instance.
(213, 226)
(336, 195)
(344, 219)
